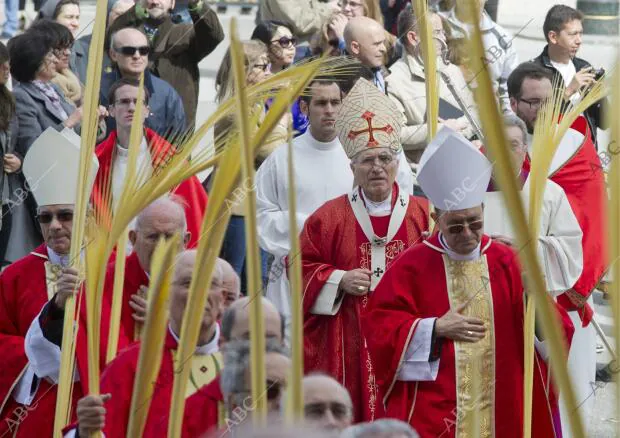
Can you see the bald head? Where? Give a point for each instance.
(181, 282)
(365, 40)
(231, 283)
(327, 403)
(236, 321)
(162, 219)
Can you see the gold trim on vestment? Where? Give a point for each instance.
(204, 369)
(52, 272)
(469, 282)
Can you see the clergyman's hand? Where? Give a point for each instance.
(460, 328)
(139, 305)
(68, 285)
(356, 282)
(91, 414)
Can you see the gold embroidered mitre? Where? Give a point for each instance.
(368, 119)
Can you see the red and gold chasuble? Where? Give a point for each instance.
(333, 239)
(425, 283)
(25, 287)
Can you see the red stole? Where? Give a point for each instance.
(335, 344)
(584, 184)
(201, 410)
(23, 293)
(161, 151)
(415, 288)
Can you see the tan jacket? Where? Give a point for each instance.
(305, 17)
(407, 90)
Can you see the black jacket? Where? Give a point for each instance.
(594, 114)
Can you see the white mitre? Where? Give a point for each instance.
(453, 173)
(51, 167)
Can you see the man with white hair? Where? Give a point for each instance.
(117, 381)
(350, 241)
(37, 282)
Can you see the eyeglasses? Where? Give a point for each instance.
(131, 51)
(286, 42)
(534, 103)
(274, 389)
(459, 228)
(263, 67)
(384, 160)
(318, 410)
(335, 43)
(62, 216)
(126, 101)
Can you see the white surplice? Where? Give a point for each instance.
(560, 254)
(322, 172)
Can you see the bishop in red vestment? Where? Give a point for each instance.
(453, 306)
(118, 378)
(28, 398)
(350, 241)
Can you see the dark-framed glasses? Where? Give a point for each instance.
(318, 410)
(131, 51)
(459, 228)
(62, 216)
(382, 160)
(534, 103)
(286, 42)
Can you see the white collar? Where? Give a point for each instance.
(57, 259)
(320, 145)
(474, 255)
(382, 208)
(208, 348)
(124, 153)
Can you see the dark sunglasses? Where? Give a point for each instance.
(318, 410)
(334, 43)
(131, 51)
(459, 228)
(286, 42)
(62, 216)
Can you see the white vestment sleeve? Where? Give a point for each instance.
(272, 218)
(416, 366)
(559, 247)
(328, 301)
(43, 355)
(24, 392)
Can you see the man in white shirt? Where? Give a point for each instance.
(317, 152)
(563, 31)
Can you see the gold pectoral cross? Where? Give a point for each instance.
(52, 273)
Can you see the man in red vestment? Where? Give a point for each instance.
(349, 242)
(576, 167)
(27, 395)
(113, 154)
(453, 306)
(117, 380)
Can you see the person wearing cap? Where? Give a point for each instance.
(41, 280)
(451, 306)
(350, 241)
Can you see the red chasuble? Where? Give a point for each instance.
(203, 410)
(23, 293)
(332, 239)
(161, 151)
(425, 283)
(118, 380)
(582, 178)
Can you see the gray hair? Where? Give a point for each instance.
(237, 361)
(171, 200)
(380, 429)
(511, 120)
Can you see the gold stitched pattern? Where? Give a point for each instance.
(468, 281)
(52, 272)
(372, 386)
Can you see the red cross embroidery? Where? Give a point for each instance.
(372, 142)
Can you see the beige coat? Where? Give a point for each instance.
(407, 90)
(305, 17)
